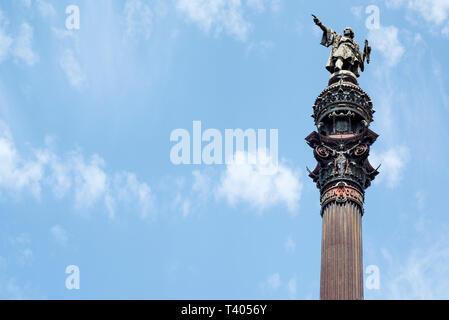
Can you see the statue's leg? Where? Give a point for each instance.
(355, 69)
(338, 64)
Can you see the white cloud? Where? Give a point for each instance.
(392, 163)
(422, 274)
(25, 257)
(420, 199)
(434, 11)
(9, 289)
(261, 5)
(291, 288)
(257, 5)
(5, 39)
(5, 45)
(182, 204)
(46, 9)
(247, 181)
(59, 177)
(445, 30)
(62, 34)
(220, 15)
(59, 234)
(24, 254)
(201, 184)
(17, 174)
(72, 69)
(261, 47)
(276, 6)
(87, 181)
(20, 240)
(90, 180)
(357, 11)
(26, 3)
(188, 201)
(138, 18)
(68, 58)
(394, 4)
(129, 190)
(290, 244)
(386, 41)
(22, 45)
(185, 208)
(273, 282)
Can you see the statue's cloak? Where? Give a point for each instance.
(342, 47)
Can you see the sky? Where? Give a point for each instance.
(86, 179)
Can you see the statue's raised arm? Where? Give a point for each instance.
(318, 22)
(329, 35)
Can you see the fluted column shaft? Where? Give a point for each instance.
(341, 252)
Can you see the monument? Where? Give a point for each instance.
(341, 144)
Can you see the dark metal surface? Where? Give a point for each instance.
(341, 145)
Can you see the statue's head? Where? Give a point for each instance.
(348, 33)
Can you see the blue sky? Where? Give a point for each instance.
(85, 171)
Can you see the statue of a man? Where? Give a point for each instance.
(345, 53)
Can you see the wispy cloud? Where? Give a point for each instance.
(69, 57)
(11, 289)
(126, 189)
(272, 283)
(19, 46)
(257, 5)
(259, 47)
(59, 234)
(22, 46)
(392, 163)
(189, 199)
(72, 69)
(25, 257)
(434, 12)
(88, 180)
(5, 39)
(290, 244)
(291, 288)
(21, 245)
(46, 9)
(386, 41)
(17, 174)
(422, 274)
(246, 181)
(138, 18)
(218, 16)
(357, 11)
(22, 256)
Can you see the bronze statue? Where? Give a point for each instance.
(345, 53)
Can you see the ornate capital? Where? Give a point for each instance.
(341, 144)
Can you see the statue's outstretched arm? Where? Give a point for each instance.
(319, 23)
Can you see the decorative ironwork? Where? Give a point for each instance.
(342, 113)
(343, 96)
(341, 192)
